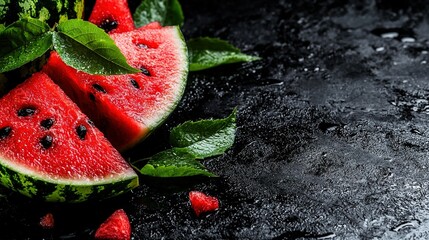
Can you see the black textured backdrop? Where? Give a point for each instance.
(332, 138)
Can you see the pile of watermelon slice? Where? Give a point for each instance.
(62, 130)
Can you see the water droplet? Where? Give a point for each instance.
(379, 49)
(400, 34)
(416, 131)
(408, 40)
(390, 35)
(326, 236)
(409, 224)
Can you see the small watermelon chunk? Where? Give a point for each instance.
(50, 150)
(47, 221)
(116, 227)
(202, 203)
(114, 16)
(126, 108)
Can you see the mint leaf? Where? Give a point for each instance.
(205, 138)
(174, 163)
(84, 46)
(207, 52)
(166, 12)
(23, 41)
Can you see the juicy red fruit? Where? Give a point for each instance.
(47, 221)
(116, 227)
(114, 16)
(202, 203)
(127, 108)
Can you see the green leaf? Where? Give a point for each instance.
(84, 46)
(23, 41)
(2, 27)
(174, 163)
(207, 52)
(166, 12)
(205, 138)
(192, 141)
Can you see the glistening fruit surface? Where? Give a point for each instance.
(128, 107)
(50, 150)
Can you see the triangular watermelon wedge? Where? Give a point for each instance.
(50, 150)
(126, 108)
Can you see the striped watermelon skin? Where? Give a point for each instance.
(40, 189)
(4, 10)
(51, 11)
(50, 150)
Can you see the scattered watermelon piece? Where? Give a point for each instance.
(47, 221)
(116, 227)
(201, 203)
(114, 16)
(50, 150)
(126, 108)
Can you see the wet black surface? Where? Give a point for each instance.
(332, 138)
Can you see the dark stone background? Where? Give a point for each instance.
(332, 139)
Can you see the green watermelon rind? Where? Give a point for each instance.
(160, 119)
(56, 190)
(51, 11)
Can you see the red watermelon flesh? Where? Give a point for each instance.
(114, 16)
(128, 107)
(45, 137)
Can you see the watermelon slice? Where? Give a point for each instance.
(50, 150)
(114, 16)
(126, 108)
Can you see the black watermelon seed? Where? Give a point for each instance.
(92, 97)
(134, 83)
(98, 88)
(81, 131)
(27, 111)
(143, 46)
(90, 122)
(46, 141)
(47, 123)
(108, 25)
(145, 71)
(5, 132)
